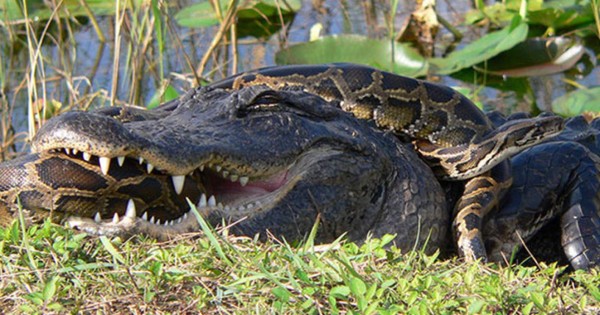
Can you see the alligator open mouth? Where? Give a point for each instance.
(224, 191)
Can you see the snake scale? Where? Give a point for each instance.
(452, 135)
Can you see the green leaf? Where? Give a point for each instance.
(111, 249)
(482, 49)
(357, 287)
(162, 95)
(535, 57)
(578, 102)
(538, 299)
(476, 307)
(49, 289)
(197, 15)
(395, 57)
(281, 293)
(256, 18)
(339, 292)
(39, 10)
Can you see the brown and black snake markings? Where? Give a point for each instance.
(447, 129)
(251, 148)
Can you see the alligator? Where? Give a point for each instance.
(314, 161)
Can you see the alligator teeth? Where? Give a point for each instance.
(167, 222)
(201, 168)
(212, 201)
(68, 151)
(157, 221)
(115, 218)
(218, 168)
(178, 181)
(244, 180)
(130, 212)
(152, 220)
(202, 202)
(234, 178)
(75, 151)
(87, 156)
(145, 216)
(104, 164)
(121, 160)
(149, 168)
(225, 174)
(97, 217)
(185, 215)
(220, 206)
(141, 160)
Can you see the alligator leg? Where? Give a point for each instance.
(482, 193)
(555, 179)
(580, 224)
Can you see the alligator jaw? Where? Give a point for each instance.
(131, 224)
(228, 202)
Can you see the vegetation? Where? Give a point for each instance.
(48, 269)
(60, 55)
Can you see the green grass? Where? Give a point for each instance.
(48, 268)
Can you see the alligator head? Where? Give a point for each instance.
(261, 159)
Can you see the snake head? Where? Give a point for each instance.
(523, 133)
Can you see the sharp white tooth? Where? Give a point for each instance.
(179, 220)
(212, 201)
(185, 215)
(152, 220)
(157, 221)
(178, 182)
(141, 160)
(104, 164)
(227, 208)
(225, 174)
(244, 180)
(115, 218)
(121, 160)
(234, 178)
(68, 151)
(130, 212)
(202, 202)
(145, 216)
(167, 223)
(149, 167)
(201, 168)
(241, 208)
(218, 168)
(249, 206)
(97, 217)
(75, 151)
(87, 156)
(220, 206)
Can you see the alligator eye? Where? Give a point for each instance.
(266, 98)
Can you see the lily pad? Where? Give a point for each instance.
(578, 102)
(535, 57)
(258, 18)
(398, 58)
(482, 49)
(39, 10)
